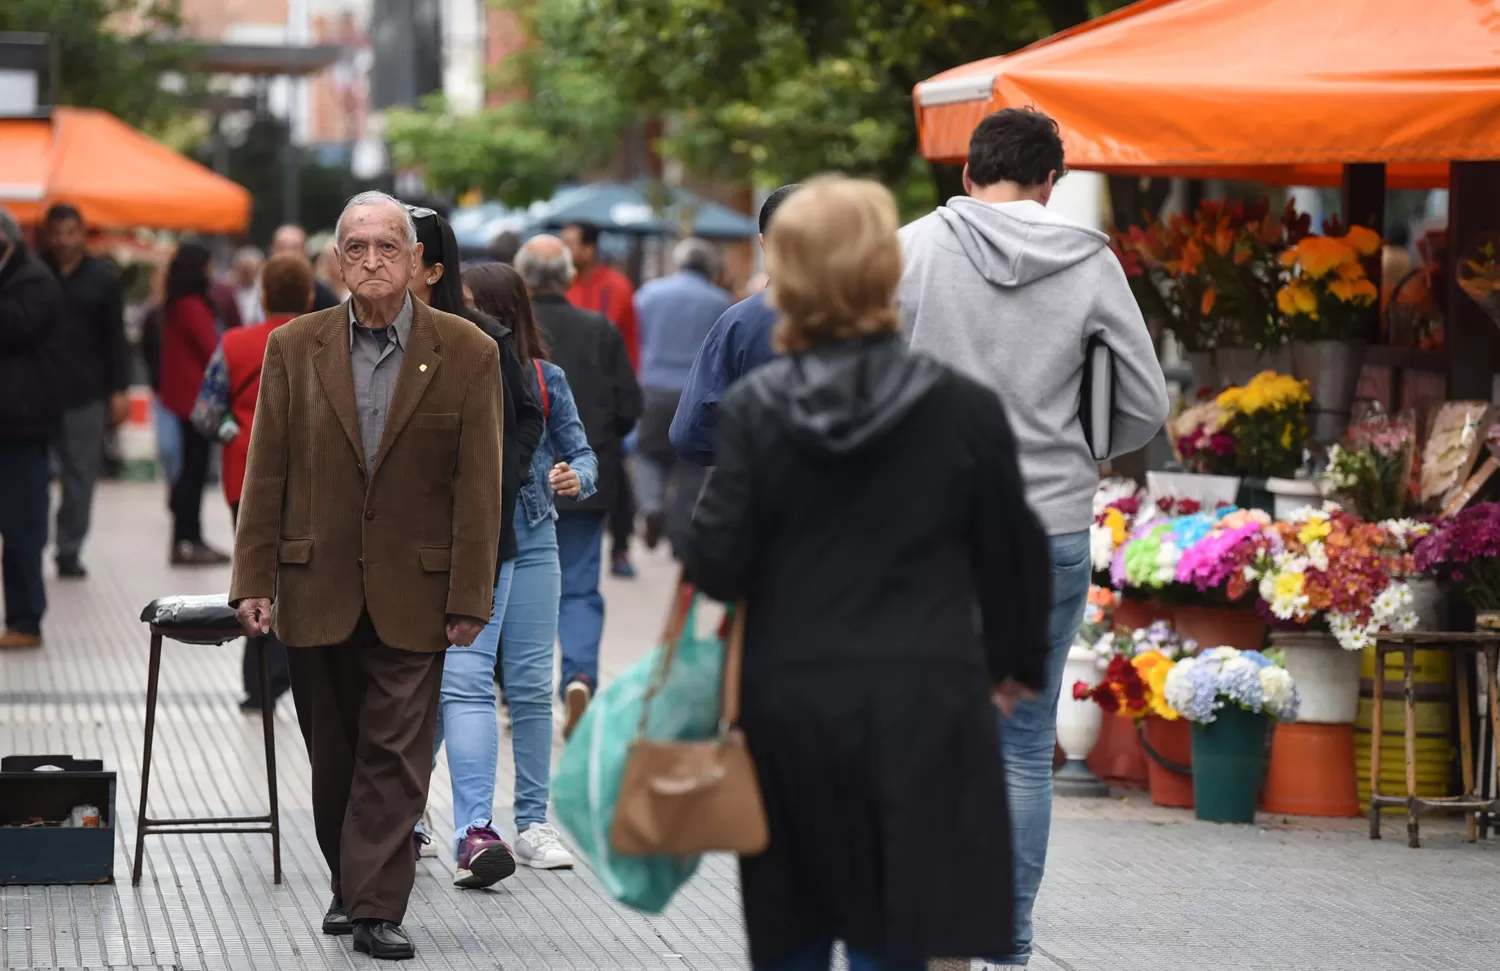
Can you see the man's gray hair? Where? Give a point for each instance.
(373, 198)
(10, 230)
(248, 254)
(545, 272)
(697, 255)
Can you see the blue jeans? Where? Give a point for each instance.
(24, 477)
(819, 957)
(1028, 737)
(580, 621)
(526, 597)
(168, 441)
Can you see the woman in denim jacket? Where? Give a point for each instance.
(527, 592)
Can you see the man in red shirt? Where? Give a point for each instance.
(606, 291)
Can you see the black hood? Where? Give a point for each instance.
(842, 397)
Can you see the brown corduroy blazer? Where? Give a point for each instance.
(414, 540)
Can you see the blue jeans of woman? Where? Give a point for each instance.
(526, 597)
(1028, 736)
(819, 957)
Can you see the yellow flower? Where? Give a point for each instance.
(1229, 398)
(1352, 271)
(1364, 241)
(1361, 292)
(1207, 306)
(1289, 585)
(1286, 301)
(1321, 255)
(1153, 667)
(1114, 521)
(1297, 299)
(1317, 528)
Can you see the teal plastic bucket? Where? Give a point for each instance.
(1229, 761)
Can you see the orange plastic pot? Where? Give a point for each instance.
(1235, 627)
(1172, 743)
(1133, 614)
(1312, 771)
(1118, 757)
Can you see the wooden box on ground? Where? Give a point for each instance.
(47, 787)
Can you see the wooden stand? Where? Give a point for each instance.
(1462, 645)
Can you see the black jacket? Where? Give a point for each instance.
(524, 424)
(33, 346)
(98, 356)
(868, 506)
(592, 353)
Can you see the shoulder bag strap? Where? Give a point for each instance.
(541, 383)
(734, 655)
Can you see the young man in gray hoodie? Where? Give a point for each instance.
(1011, 294)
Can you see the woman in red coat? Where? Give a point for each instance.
(189, 336)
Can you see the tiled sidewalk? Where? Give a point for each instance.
(1129, 888)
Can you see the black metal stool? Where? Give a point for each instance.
(207, 621)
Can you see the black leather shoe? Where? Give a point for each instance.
(382, 940)
(336, 921)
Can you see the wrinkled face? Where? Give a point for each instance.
(376, 259)
(66, 238)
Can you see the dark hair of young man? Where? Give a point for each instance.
(61, 212)
(588, 233)
(286, 285)
(773, 202)
(1019, 145)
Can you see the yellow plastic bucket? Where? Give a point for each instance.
(1432, 681)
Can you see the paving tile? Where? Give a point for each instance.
(1130, 887)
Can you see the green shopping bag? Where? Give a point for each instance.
(586, 785)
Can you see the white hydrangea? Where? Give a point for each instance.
(1280, 692)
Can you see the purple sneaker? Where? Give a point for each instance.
(483, 859)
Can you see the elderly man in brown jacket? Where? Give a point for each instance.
(367, 535)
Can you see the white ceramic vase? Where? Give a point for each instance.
(1078, 727)
(1326, 675)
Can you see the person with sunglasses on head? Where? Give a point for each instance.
(483, 857)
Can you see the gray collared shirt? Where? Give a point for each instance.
(375, 370)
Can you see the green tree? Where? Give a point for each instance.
(112, 53)
(769, 90)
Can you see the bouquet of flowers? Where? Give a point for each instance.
(1117, 502)
(1256, 430)
(1198, 687)
(1465, 550)
(1135, 668)
(1219, 560)
(1209, 277)
(1372, 472)
(1327, 291)
(1330, 566)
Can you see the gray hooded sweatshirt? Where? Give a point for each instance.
(1010, 294)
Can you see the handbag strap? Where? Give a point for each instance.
(734, 656)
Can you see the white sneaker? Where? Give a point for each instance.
(428, 848)
(540, 847)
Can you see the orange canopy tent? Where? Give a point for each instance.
(117, 177)
(1277, 91)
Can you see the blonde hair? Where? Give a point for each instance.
(834, 263)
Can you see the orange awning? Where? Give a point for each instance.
(1279, 91)
(117, 177)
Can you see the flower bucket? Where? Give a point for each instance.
(1237, 627)
(1312, 769)
(1208, 490)
(1169, 750)
(1290, 495)
(1118, 758)
(1229, 761)
(1332, 369)
(1327, 676)
(1132, 614)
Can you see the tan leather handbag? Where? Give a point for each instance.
(692, 797)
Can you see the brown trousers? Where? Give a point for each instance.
(373, 713)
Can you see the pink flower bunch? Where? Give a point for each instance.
(1454, 544)
(1220, 557)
